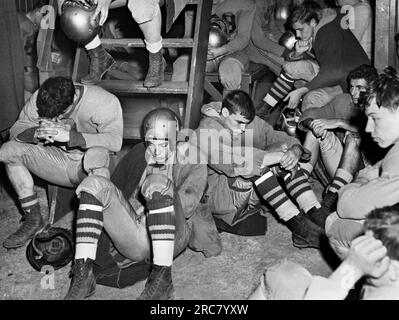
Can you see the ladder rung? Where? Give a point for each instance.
(136, 42)
(127, 87)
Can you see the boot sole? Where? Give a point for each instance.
(92, 289)
(23, 244)
(92, 292)
(150, 85)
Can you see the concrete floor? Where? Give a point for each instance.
(232, 275)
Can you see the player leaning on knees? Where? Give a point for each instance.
(333, 132)
(270, 154)
(150, 212)
(376, 185)
(64, 132)
(323, 57)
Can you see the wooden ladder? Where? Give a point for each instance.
(195, 85)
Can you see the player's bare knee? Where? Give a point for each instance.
(352, 140)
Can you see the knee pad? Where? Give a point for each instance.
(95, 158)
(287, 280)
(230, 72)
(341, 233)
(94, 185)
(310, 97)
(157, 183)
(144, 10)
(313, 99)
(288, 67)
(12, 151)
(181, 68)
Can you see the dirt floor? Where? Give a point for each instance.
(232, 275)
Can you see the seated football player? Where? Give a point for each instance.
(150, 212)
(333, 132)
(237, 168)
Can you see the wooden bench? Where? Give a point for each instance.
(248, 83)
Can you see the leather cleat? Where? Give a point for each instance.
(100, 62)
(330, 201)
(319, 216)
(32, 223)
(305, 233)
(83, 283)
(155, 73)
(159, 285)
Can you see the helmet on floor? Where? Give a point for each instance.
(52, 247)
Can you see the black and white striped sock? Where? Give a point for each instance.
(89, 226)
(273, 193)
(161, 225)
(341, 178)
(281, 87)
(29, 203)
(301, 190)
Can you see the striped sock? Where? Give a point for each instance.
(307, 168)
(300, 189)
(273, 193)
(341, 178)
(29, 203)
(281, 87)
(161, 225)
(89, 225)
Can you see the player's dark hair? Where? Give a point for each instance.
(384, 222)
(385, 89)
(305, 12)
(54, 97)
(239, 102)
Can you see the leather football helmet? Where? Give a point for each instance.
(77, 21)
(288, 40)
(51, 247)
(160, 124)
(218, 32)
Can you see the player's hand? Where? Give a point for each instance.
(102, 7)
(213, 53)
(52, 131)
(291, 157)
(303, 46)
(320, 126)
(294, 97)
(368, 255)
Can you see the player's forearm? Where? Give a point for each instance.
(343, 124)
(272, 158)
(346, 276)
